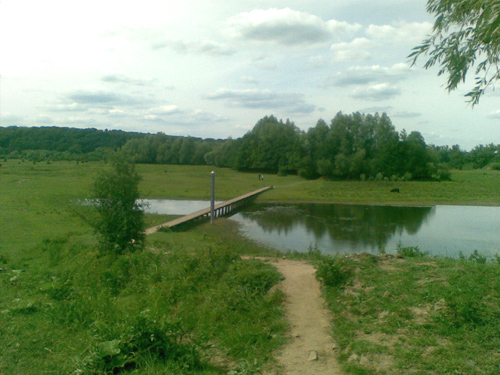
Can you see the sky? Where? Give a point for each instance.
(212, 69)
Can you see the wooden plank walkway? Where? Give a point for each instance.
(219, 210)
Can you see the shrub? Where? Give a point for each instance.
(325, 167)
(495, 166)
(407, 177)
(410, 251)
(441, 173)
(253, 275)
(144, 338)
(333, 272)
(474, 257)
(119, 221)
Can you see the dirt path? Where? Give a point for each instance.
(311, 349)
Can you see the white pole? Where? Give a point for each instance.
(212, 202)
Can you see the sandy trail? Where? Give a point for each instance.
(309, 320)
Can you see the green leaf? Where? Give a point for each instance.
(108, 348)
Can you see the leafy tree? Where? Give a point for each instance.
(466, 34)
(416, 156)
(269, 146)
(483, 155)
(119, 219)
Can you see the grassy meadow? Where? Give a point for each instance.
(468, 187)
(413, 314)
(189, 304)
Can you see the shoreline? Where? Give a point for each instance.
(367, 203)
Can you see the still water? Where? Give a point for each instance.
(346, 229)
(174, 207)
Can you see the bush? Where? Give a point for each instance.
(474, 257)
(410, 251)
(495, 166)
(333, 272)
(407, 177)
(254, 276)
(144, 338)
(119, 219)
(441, 173)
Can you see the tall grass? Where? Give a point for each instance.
(416, 314)
(188, 304)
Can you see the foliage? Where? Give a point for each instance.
(418, 315)
(410, 251)
(352, 145)
(61, 303)
(59, 143)
(143, 333)
(333, 272)
(474, 257)
(119, 219)
(349, 147)
(270, 146)
(164, 149)
(466, 34)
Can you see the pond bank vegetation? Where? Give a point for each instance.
(190, 304)
(413, 313)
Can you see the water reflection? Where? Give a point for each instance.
(341, 228)
(331, 228)
(175, 207)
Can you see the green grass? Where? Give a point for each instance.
(478, 187)
(189, 304)
(417, 315)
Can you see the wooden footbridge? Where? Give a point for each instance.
(219, 210)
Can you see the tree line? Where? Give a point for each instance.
(61, 143)
(350, 146)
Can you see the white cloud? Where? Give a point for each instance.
(263, 99)
(494, 115)
(135, 56)
(9, 119)
(204, 47)
(379, 109)
(249, 79)
(100, 97)
(165, 110)
(287, 27)
(407, 114)
(45, 120)
(361, 75)
(357, 50)
(378, 92)
(124, 79)
(69, 107)
(384, 37)
(400, 32)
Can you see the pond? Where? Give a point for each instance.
(346, 229)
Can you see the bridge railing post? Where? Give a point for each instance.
(212, 201)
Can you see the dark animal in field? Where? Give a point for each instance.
(395, 190)
(261, 177)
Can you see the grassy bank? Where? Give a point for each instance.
(188, 304)
(478, 187)
(414, 315)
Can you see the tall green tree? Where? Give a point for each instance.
(466, 35)
(269, 146)
(119, 218)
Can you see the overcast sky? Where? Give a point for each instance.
(212, 69)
